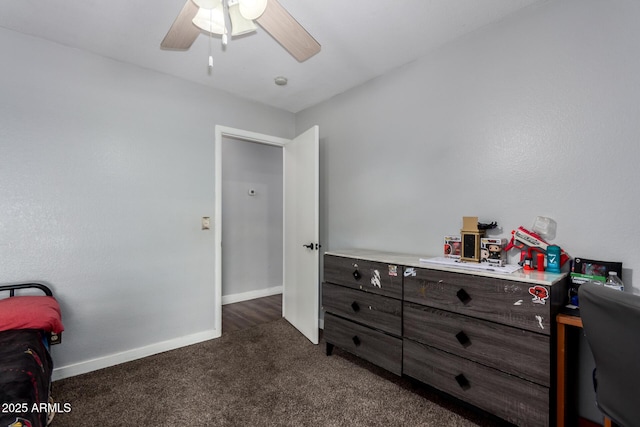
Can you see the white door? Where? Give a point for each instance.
(301, 233)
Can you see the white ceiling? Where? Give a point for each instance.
(361, 39)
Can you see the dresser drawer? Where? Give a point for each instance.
(508, 302)
(375, 277)
(375, 346)
(376, 311)
(512, 398)
(515, 351)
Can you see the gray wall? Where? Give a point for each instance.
(251, 225)
(105, 172)
(536, 115)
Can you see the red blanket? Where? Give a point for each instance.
(30, 312)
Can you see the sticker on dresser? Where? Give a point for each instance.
(393, 270)
(410, 272)
(375, 279)
(540, 294)
(540, 319)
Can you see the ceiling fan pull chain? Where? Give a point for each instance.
(225, 15)
(210, 37)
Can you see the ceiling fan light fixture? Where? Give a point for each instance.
(239, 24)
(252, 9)
(210, 20)
(269, 14)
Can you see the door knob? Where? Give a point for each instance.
(309, 246)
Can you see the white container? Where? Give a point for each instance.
(545, 227)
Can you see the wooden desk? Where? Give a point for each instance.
(562, 320)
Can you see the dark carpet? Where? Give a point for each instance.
(269, 375)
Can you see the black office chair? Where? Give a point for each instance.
(611, 322)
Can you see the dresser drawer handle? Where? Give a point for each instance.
(463, 339)
(463, 296)
(356, 340)
(463, 382)
(356, 274)
(355, 307)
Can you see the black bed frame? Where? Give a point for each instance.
(53, 338)
(12, 288)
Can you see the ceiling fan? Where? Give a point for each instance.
(216, 16)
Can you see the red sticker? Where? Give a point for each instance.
(540, 294)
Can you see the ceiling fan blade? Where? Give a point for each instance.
(288, 32)
(182, 33)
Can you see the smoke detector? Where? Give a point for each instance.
(281, 80)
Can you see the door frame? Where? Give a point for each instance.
(229, 132)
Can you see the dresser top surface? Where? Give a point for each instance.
(412, 260)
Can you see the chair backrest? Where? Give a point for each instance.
(611, 322)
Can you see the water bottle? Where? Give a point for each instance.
(614, 282)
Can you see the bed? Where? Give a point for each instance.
(29, 324)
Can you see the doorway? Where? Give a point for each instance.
(252, 233)
(300, 266)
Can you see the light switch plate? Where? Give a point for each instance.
(206, 223)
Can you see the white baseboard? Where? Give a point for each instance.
(133, 354)
(245, 296)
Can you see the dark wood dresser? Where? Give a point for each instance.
(483, 337)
